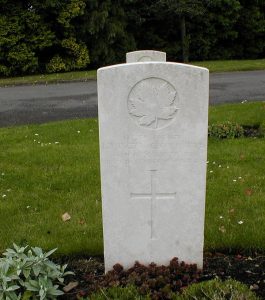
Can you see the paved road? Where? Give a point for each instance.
(43, 103)
(237, 86)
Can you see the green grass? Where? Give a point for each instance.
(247, 113)
(49, 78)
(235, 194)
(47, 180)
(213, 66)
(129, 292)
(232, 65)
(42, 181)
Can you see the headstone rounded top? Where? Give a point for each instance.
(145, 55)
(154, 64)
(152, 103)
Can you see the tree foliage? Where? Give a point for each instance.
(39, 36)
(23, 36)
(64, 35)
(181, 11)
(104, 31)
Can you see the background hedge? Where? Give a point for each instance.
(62, 35)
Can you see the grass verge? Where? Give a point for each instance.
(49, 78)
(49, 169)
(232, 65)
(213, 66)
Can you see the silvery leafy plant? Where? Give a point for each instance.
(28, 273)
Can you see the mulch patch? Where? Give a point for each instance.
(249, 270)
(251, 131)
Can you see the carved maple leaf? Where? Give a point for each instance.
(152, 99)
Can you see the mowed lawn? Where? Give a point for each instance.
(50, 169)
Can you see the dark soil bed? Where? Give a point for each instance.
(249, 270)
(252, 131)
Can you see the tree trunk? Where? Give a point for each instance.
(184, 40)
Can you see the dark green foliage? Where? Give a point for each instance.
(198, 30)
(69, 52)
(104, 31)
(63, 35)
(217, 290)
(23, 37)
(75, 57)
(155, 26)
(250, 26)
(225, 130)
(213, 35)
(36, 36)
(180, 12)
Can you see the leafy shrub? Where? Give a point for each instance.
(24, 38)
(225, 130)
(119, 293)
(56, 64)
(158, 281)
(75, 57)
(29, 273)
(77, 54)
(217, 290)
(21, 57)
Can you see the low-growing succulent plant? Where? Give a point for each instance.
(28, 273)
(160, 282)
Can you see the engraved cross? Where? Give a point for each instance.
(152, 197)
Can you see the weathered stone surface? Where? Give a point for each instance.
(153, 148)
(145, 55)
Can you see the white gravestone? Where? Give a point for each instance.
(145, 55)
(153, 147)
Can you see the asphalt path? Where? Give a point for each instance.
(43, 103)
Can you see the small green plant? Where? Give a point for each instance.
(226, 130)
(119, 293)
(217, 290)
(28, 273)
